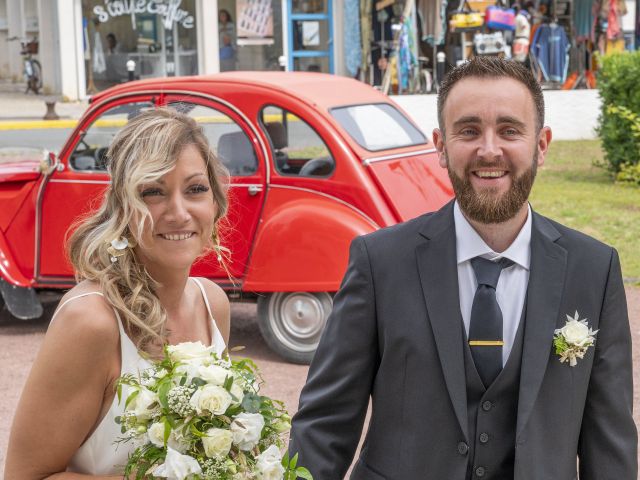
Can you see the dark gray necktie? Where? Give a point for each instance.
(485, 327)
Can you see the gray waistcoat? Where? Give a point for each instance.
(492, 414)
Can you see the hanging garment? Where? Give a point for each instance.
(582, 19)
(550, 48)
(613, 23)
(99, 63)
(406, 57)
(432, 16)
(366, 33)
(352, 50)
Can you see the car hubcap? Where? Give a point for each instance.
(297, 318)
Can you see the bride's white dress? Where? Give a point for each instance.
(99, 454)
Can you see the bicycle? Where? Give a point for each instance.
(32, 69)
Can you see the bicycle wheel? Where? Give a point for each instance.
(35, 80)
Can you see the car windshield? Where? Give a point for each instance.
(378, 126)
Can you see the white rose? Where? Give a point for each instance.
(177, 441)
(144, 405)
(217, 443)
(156, 434)
(191, 370)
(177, 466)
(269, 464)
(246, 429)
(575, 333)
(212, 399)
(188, 351)
(213, 374)
(238, 393)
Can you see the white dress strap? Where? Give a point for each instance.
(74, 298)
(216, 337)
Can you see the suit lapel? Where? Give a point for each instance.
(438, 272)
(544, 293)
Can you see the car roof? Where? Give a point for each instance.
(323, 90)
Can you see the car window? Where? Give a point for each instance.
(378, 126)
(227, 139)
(297, 149)
(90, 152)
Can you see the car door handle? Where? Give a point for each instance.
(254, 189)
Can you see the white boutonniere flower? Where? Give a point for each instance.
(573, 340)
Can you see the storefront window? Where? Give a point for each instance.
(250, 34)
(159, 35)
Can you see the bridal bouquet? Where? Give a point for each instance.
(196, 415)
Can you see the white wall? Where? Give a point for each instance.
(16, 28)
(207, 25)
(61, 52)
(4, 48)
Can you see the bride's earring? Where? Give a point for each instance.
(118, 247)
(216, 244)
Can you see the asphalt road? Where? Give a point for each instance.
(19, 343)
(51, 139)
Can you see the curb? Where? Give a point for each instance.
(36, 124)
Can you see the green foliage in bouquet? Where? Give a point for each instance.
(197, 415)
(618, 122)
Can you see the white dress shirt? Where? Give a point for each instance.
(512, 285)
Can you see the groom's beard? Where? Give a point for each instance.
(487, 206)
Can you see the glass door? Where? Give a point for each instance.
(310, 35)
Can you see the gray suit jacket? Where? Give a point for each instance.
(395, 336)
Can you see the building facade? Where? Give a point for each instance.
(85, 45)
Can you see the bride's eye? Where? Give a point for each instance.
(150, 192)
(198, 188)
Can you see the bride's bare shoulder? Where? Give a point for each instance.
(84, 311)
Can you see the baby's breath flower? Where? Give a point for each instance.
(178, 400)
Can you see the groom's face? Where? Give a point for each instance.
(491, 146)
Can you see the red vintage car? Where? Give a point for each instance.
(315, 160)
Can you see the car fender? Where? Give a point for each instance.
(9, 270)
(303, 242)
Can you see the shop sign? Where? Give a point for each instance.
(168, 9)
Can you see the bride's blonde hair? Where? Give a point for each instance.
(142, 152)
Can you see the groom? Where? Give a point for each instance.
(447, 322)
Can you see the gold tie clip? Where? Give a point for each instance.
(486, 343)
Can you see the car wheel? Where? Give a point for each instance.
(292, 322)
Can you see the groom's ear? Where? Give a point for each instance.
(438, 142)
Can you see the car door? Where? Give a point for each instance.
(236, 144)
(77, 188)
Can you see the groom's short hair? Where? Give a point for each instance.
(492, 67)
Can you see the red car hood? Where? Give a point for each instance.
(413, 184)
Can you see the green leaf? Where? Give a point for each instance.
(131, 398)
(285, 459)
(304, 473)
(167, 431)
(294, 461)
(198, 382)
(251, 403)
(163, 391)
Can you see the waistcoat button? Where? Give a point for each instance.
(487, 405)
(480, 471)
(463, 448)
(484, 437)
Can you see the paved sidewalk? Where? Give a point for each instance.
(572, 114)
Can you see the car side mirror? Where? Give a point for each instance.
(49, 162)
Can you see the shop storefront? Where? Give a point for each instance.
(160, 37)
(401, 40)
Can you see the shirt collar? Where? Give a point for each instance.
(469, 244)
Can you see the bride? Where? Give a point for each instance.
(132, 259)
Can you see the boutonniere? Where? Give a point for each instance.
(573, 340)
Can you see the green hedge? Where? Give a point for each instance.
(618, 80)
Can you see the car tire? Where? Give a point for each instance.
(292, 322)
